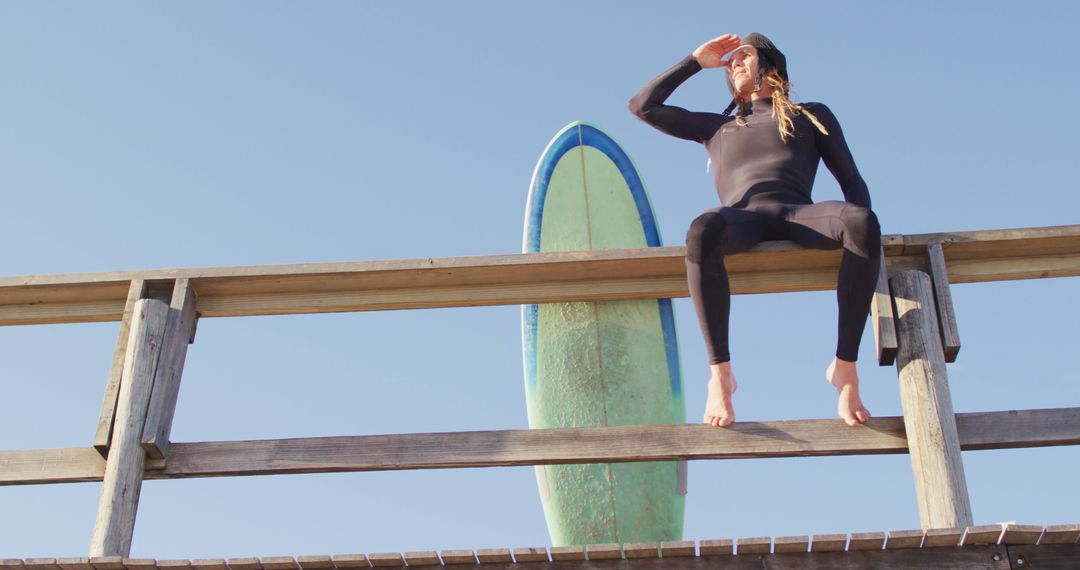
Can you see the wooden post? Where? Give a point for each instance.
(883, 317)
(179, 332)
(120, 489)
(950, 336)
(928, 413)
(103, 434)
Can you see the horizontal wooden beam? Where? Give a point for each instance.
(987, 255)
(792, 438)
(1001, 546)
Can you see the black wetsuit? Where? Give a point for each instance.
(764, 185)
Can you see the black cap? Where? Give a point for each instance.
(770, 56)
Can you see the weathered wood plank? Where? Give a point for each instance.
(351, 561)
(1021, 534)
(753, 545)
(1049, 557)
(123, 476)
(829, 542)
(898, 539)
(883, 317)
(103, 433)
(939, 276)
(494, 555)
(791, 438)
(936, 537)
(1061, 534)
(677, 548)
(717, 547)
(215, 564)
(929, 420)
(179, 332)
(567, 553)
(534, 554)
(866, 541)
(458, 556)
(642, 550)
(422, 558)
(784, 544)
(603, 551)
(987, 255)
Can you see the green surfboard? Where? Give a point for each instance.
(604, 363)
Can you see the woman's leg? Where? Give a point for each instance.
(715, 233)
(830, 225)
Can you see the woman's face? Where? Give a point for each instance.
(743, 68)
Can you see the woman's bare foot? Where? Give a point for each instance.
(842, 375)
(718, 409)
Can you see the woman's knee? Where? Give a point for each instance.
(862, 229)
(704, 235)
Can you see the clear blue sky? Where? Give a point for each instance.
(150, 135)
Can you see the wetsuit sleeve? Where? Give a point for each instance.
(834, 151)
(648, 105)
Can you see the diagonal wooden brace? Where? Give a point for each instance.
(103, 435)
(950, 336)
(179, 333)
(883, 315)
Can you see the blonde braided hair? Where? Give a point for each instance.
(784, 110)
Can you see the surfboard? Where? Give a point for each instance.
(603, 363)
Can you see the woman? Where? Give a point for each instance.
(764, 160)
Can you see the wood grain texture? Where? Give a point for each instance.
(677, 548)
(753, 545)
(717, 547)
(937, 537)
(939, 276)
(642, 550)
(103, 433)
(1061, 534)
(883, 317)
(866, 541)
(107, 562)
(495, 555)
(1049, 557)
(122, 481)
(987, 255)
(929, 420)
(1021, 534)
(898, 539)
(783, 544)
(790, 438)
(828, 542)
(179, 332)
(533, 554)
(982, 534)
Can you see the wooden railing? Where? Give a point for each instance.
(159, 309)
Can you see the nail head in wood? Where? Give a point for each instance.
(561, 553)
(904, 539)
(828, 543)
(422, 558)
(677, 548)
(717, 547)
(753, 545)
(866, 541)
(494, 555)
